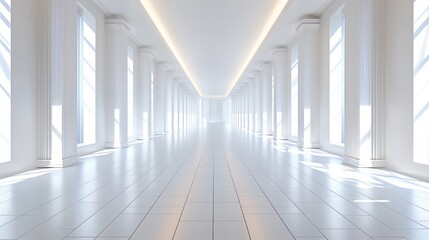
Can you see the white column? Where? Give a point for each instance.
(194, 111)
(168, 115)
(181, 107)
(364, 136)
(258, 101)
(176, 83)
(116, 97)
(237, 109)
(159, 98)
(280, 63)
(57, 86)
(145, 70)
(185, 109)
(233, 103)
(187, 112)
(251, 104)
(308, 87)
(200, 111)
(267, 112)
(243, 108)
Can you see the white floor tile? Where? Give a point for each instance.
(372, 227)
(323, 216)
(262, 227)
(198, 211)
(157, 227)
(123, 226)
(227, 211)
(300, 226)
(415, 234)
(341, 234)
(19, 227)
(230, 231)
(194, 231)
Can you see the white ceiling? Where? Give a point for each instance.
(211, 44)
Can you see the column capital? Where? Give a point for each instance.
(308, 24)
(117, 24)
(256, 74)
(162, 65)
(280, 50)
(147, 51)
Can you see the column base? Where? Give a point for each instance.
(49, 163)
(116, 145)
(143, 137)
(308, 145)
(370, 163)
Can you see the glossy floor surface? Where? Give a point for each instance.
(217, 182)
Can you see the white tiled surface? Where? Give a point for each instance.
(217, 182)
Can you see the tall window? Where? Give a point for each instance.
(151, 101)
(130, 92)
(336, 78)
(86, 84)
(5, 81)
(421, 81)
(294, 67)
(273, 99)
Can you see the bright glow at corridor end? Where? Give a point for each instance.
(161, 28)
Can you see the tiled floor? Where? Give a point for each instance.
(217, 182)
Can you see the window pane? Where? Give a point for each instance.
(421, 81)
(130, 92)
(336, 79)
(86, 84)
(294, 91)
(5, 81)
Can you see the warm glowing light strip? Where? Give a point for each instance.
(273, 17)
(161, 28)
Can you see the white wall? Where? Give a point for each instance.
(100, 76)
(398, 56)
(399, 89)
(27, 38)
(215, 111)
(25, 44)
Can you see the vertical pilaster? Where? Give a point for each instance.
(176, 83)
(364, 80)
(168, 115)
(308, 87)
(279, 77)
(267, 114)
(144, 94)
(180, 107)
(57, 89)
(185, 109)
(159, 98)
(258, 101)
(243, 108)
(116, 97)
(251, 102)
(246, 108)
